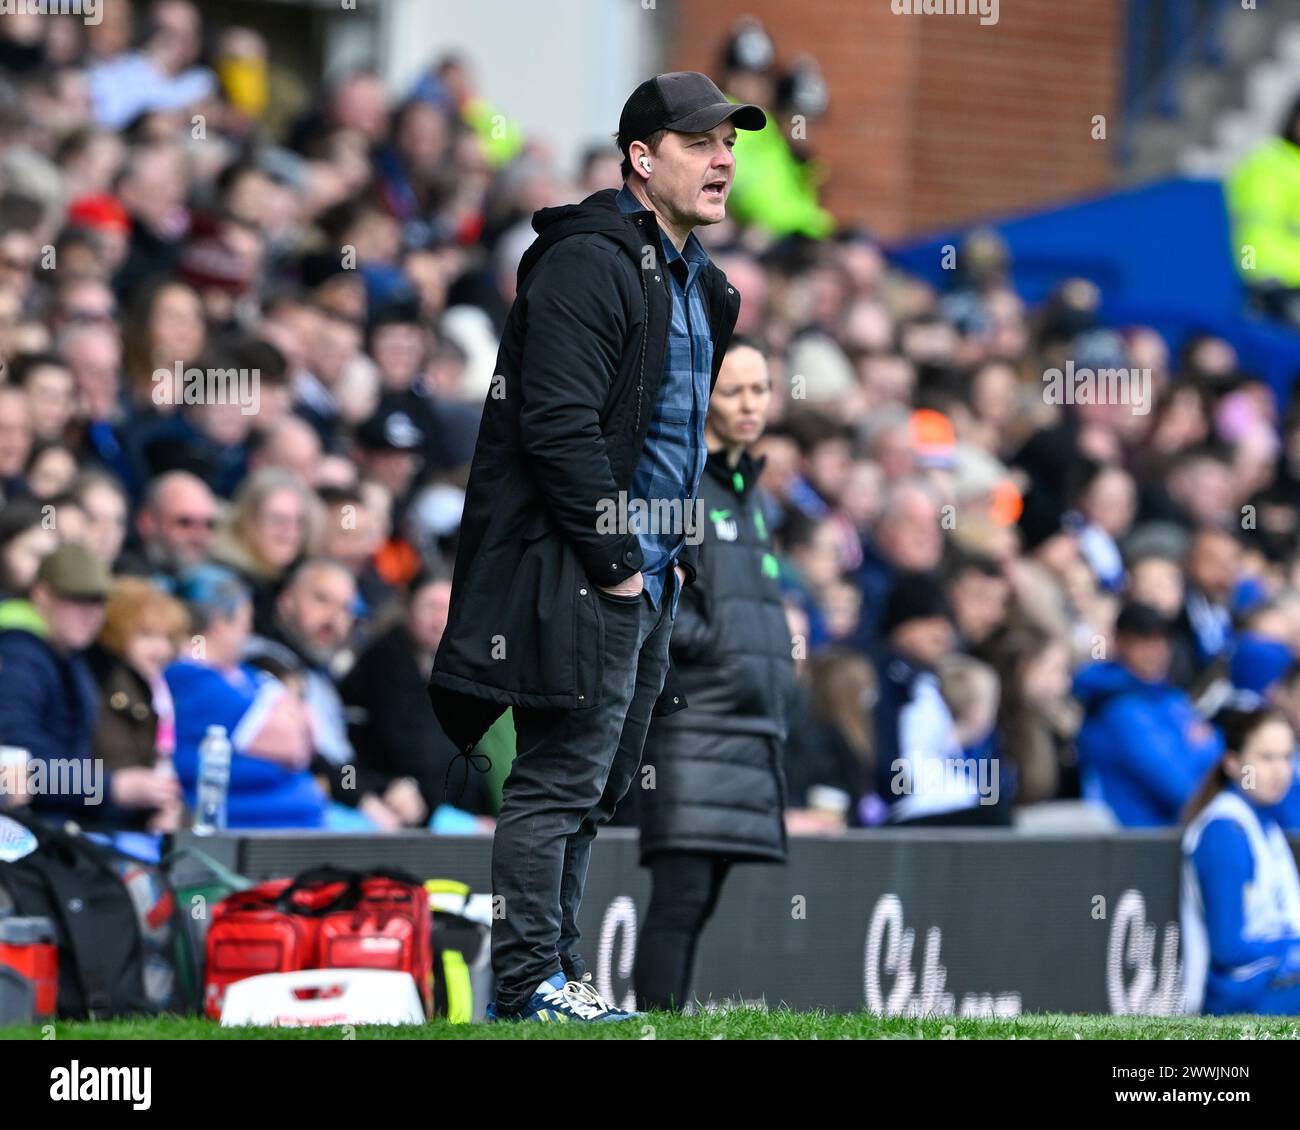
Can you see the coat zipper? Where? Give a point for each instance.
(645, 334)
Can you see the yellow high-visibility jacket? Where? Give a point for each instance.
(1264, 204)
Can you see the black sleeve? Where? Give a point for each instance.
(689, 560)
(576, 317)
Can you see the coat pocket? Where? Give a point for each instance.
(566, 653)
(616, 598)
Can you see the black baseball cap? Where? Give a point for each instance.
(684, 101)
(390, 429)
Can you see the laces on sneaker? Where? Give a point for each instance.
(578, 998)
(587, 991)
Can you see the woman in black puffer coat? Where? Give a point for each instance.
(710, 791)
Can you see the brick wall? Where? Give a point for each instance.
(937, 119)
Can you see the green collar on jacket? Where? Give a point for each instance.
(21, 615)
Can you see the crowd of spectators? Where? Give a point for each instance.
(1045, 598)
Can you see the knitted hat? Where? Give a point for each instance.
(915, 596)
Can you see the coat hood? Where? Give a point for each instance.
(1101, 681)
(597, 213)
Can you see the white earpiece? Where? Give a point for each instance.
(644, 162)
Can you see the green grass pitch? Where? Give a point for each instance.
(731, 1024)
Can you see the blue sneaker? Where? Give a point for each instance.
(617, 1013)
(557, 1000)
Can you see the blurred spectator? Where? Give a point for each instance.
(318, 387)
(979, 595)
(1037, 719)
(26, 538)
(1143, 749)
(1283, 694)
(404, 354)
(1203, 629)
(50, 390)
(1241, 891)
(1262, 194)
(812, 549)
(1107, 504)
(136, 729)
(454, 82)
(389, 451)
(352, 534)
(174, 528)
(153, 187)
(921, 769)
(972, 692)
(266, 721)
(402, 755)
(51, 470)
(161, 76)
(209, 438)
(312, 621)
(105, 504)
(273, 523)
(15, 439)
(907, 538)
(597, 169)
(775, 188)
(830, 759)
(291, 445)
(50, 702)
(164, 326)
(93, 353)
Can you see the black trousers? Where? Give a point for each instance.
(571, 768)
(684, 890)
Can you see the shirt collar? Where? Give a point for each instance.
(692, 251)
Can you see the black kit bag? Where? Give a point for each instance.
(56, 873)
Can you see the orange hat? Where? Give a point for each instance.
(1007, 504)
(933, 438)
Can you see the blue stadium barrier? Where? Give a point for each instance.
(1161, 255)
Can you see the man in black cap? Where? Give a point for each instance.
(404, 350)
(389, 449)
(574, 541)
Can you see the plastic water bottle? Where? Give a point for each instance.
(214, 782)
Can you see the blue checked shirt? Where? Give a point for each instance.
(673, 458)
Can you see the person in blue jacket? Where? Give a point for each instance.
(1240, 905)
(1143, 748)
(271, 785)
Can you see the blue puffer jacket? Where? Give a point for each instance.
(1143, 749)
